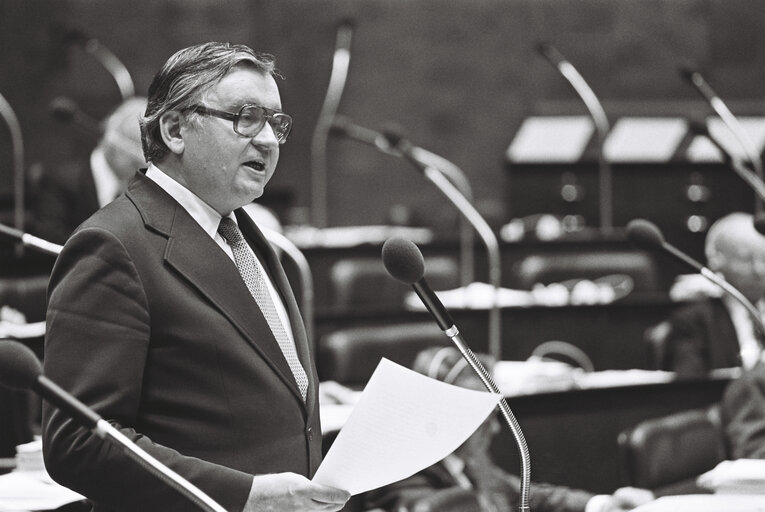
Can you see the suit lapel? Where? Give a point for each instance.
(196, 256)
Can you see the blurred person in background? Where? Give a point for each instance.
(68, 194)
(472, 469)
(714, 330)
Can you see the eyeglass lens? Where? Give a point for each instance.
(253, 118)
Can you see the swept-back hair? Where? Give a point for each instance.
(185, 77)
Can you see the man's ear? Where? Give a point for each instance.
(170, 127)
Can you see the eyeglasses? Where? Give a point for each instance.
(251, 119)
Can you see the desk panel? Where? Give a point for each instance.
(572, 435)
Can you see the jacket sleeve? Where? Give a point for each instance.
(97, 340)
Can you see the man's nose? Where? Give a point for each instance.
(266, 137)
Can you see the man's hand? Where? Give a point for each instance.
(290, 491)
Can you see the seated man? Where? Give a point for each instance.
(714, 332)
(71, 193)
(471, 468)
(742, 409)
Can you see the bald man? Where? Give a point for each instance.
(714, 333)
(70, 193)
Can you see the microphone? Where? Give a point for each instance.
(30, 240)
(745, 173)
(338, 76)
(106, 58)
(17, 146)
(599, 118)
(759, 223)
(394, 135)
(695, 78)
(20, 369)
(66, 110)
(646, 235)
(344, 127)
(404, 262)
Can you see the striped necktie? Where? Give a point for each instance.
(255, 280)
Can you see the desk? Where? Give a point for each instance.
(610, 334)
(572, 435)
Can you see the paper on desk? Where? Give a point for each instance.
(705, 503)
(403, 423)
(742, 476)
(33, 490)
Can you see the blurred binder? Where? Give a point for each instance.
(702, 150)
(551, 139)
(644, 139)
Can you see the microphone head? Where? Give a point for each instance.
(341, 125)
(76, 36)
(645, 234)
(687, 73)
(63, 109)
(19, 366)
(347, 23)
(403, 260)
(394, 133)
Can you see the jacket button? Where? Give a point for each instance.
(309, 433)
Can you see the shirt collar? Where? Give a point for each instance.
(200, 211)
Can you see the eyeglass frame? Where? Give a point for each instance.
(269, 114)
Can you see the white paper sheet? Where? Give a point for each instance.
(705, 503)
(403, 423)
(27, 490)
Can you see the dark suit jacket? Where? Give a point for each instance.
(150, 324)
(742, 409)
(701, 338)
(63, 197)
(501, 489)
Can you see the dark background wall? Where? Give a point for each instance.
(459, 75)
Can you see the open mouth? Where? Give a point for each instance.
(255, 165)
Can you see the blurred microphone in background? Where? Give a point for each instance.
(602, 127)
(695, 79)
(341, 61)
(69, 193)
(105, 57)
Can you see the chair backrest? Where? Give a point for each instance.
(15, 420)
(25, 294)
(365, 282)
(666, 454)
(350, 356)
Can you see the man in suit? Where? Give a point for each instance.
(471, 468)
(68, 194)
(170, 315)
(717, 332)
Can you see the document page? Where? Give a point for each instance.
(403, 423)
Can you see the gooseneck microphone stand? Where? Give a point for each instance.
(599, 118)
(14, 127)
(343, 126)
(404, 261)
(695, 78)
(337, 79)
(107, 59)
(485, 233)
